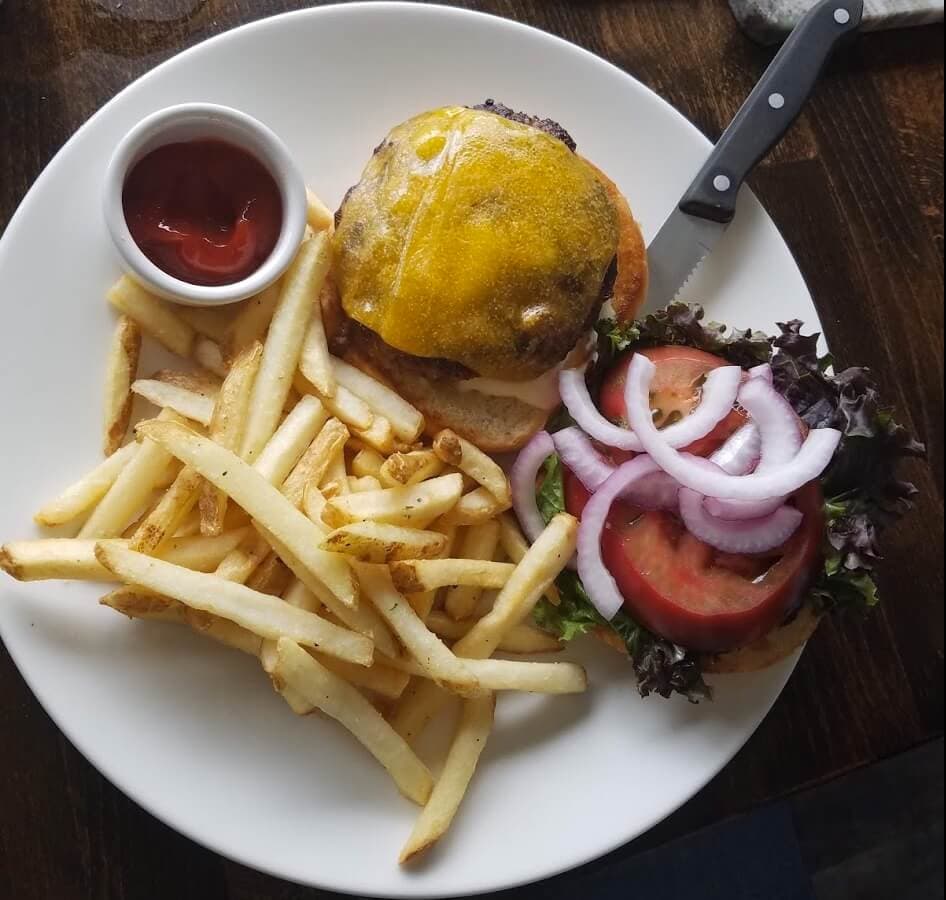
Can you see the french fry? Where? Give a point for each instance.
(515, 546)
(265, 615)
(541, 565)
(521, 639)
(457, 451)
(130, 489)
(318, 216)
(251, 321)
(205, 383)
(261, 500)
(414, 576)
(287, 445)
(363, 484)
(163, 521)
(342, 404)
(477, 506)
(314, 361)
(208, 355)
(121, 366)
(298, 595)
(374, 542)
(338, 699)
(538, 569)
(87, 491)
(380, 436)
(479, 542)
(202, 553)
(406, 421)
(414, 507)
(430, 652)
(410, 468)
(223, 631)
(469, 741)
(315, 462)
(301, 286)
(383, 680)
(270, 577)
(155, 316)
(211, 321)
(422, 603)
(367, 462)
(226, 428)
(191, 405)
(336, 476)
(313, 504)
(241, 562)
(137, 604)
(361, 618)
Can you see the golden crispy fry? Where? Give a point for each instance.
(521, 639)
(155, 316)
(291, 439)
(374, 542)
(479, 542)
(406, 421)
(137, 604)
(130, 489)
(380, 436)
(477, 506)
(121, 367)
(414, 507)
(223, 631)
(539, 568)
(301, 286)
(410, 468)
(318, 216)
(226, 428)
(343, 404)
(382, 680)
(265, 615)
(241, 562)
(298, 595)
(469, 741)
(364, 484)
(427, 649)
(262, 501)
(205, 383)
(313, 503)
(335, 480)
(208, 355)
(210, 321)
(194, 406)
(87, 491)
(367, 462)
(430, 574)
(270, 577)
(457, 451)
(314, 361)
(251, 321)
(338, 699)
(315, 462)
(163, 521)
(515, 546)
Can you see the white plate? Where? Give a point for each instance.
(192, 732)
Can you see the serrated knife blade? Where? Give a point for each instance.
(704, 212)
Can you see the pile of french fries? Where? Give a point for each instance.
(283, 503)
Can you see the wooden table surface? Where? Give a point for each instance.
(857, 189)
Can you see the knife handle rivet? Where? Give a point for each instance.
(776, 100)
(722, 183)
(842, 16)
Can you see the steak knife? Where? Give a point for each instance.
(704, 212)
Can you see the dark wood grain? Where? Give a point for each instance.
(857, 189)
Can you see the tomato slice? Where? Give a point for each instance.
(673, 584)
(675, 392)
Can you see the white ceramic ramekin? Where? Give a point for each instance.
(196, 121)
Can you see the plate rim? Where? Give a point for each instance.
(362, 7)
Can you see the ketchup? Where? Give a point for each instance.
(205, 211)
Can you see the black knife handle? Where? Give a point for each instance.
(770, 109)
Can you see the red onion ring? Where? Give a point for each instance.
(718, 396)
(745, 536)
(764, 371)
(522, 480)
(582, 459)
(656, 491)
(813, 458)
(594, 574)
(740, 454)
